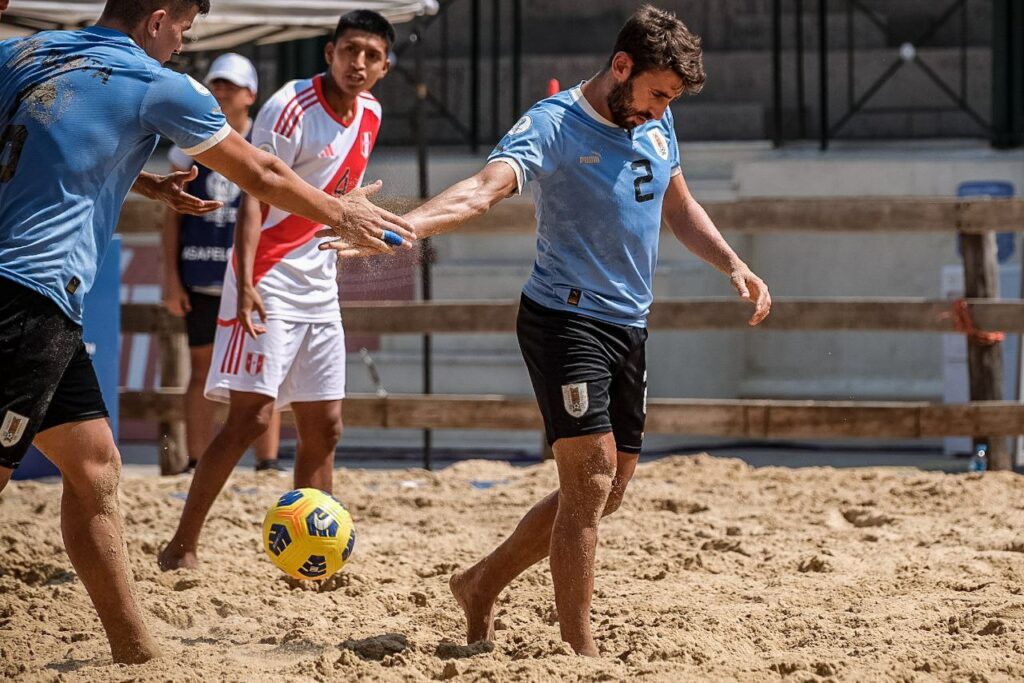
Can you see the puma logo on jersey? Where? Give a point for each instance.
(591, 159)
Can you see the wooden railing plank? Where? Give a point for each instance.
(769, 215)
(739, 418)
(453, 317)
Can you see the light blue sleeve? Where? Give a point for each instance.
(673, 143)
(532, 147)
(178, 107)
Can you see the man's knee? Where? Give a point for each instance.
(327, 435)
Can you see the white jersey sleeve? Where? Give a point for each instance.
(276, 128)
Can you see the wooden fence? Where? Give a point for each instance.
(975, 220)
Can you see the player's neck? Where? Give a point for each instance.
(597, 90)
(135, 33)
(341, 104)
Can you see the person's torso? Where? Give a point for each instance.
(599, 214)
(73, 143)
(296, 280)
(205, 241)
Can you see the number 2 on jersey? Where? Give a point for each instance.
(644, 166)
(11, 142)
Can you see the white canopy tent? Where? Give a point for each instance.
(229, 23)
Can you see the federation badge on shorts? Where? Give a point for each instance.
(575, 399)
(254, 363)
(659, 142)
(12, 429)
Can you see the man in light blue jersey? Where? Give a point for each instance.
(80, 113)
(603, 162)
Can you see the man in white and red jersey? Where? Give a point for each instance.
(292, 357)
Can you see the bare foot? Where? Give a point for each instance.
(173, 556)
(479, 612)
(135, 653)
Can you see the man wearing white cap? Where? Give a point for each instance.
(196, 254)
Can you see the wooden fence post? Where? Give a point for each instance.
(173, 363)
(984, 361)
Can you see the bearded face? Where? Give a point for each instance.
(622, 104)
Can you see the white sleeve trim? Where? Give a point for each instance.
(516, 167)
(209, 142)
(676, 170)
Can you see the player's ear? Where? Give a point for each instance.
(329, 53)
(622, 66)
(154, 21)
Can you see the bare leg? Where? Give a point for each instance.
(319, 427)
(248, 417)
(478, 587)
(91, 525)
(199, 411)
(269, 441)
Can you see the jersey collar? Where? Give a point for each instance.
(578, 97)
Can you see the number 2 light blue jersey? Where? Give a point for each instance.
(80, 113)
(599, 191)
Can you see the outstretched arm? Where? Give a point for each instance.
(269, 180)
(693, 227)
(463, 201)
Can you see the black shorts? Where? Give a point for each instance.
(201, 321)
(47, 377)
(590, 376)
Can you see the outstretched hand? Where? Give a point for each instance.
(365, 227)
(170, 189)
(753, 289)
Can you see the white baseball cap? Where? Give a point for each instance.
(234, 68)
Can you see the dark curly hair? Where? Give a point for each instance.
(656, 40)
(131, 12)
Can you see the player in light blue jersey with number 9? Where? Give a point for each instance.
(603, 163)
(80, 113)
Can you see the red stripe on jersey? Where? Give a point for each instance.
(350, 173)
(292, 122)
(286, 110)
(289, 108)
(278, 241)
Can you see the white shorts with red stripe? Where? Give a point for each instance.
(293, 362)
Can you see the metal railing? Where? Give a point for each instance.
(860, 99)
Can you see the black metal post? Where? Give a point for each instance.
(495, 68)
(801, 113)
(777, 72)
(517, 58)
(419, 124)
(823, 71)
(474, 76)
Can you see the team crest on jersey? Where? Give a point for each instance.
(197, 86)
(254, 363)
(268, 147)
(659, 142)
(522, 125)
(575, 399)
(13, 427)
(365, 143)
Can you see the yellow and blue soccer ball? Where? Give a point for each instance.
(308, 534)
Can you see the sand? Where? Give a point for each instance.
(711, 571)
